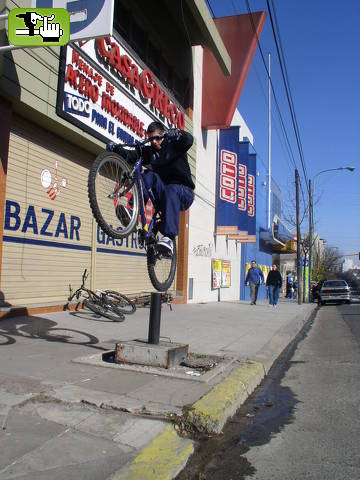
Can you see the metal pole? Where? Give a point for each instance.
(269, 158)
(155, 318)
(298, 235)
(310, 238)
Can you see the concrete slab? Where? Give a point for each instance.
(181, 371)
(25, 432)
(70, 451)
(140, 352)
(43, 348)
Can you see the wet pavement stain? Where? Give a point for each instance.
(266, 412)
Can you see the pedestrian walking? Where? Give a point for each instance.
(295, 288)
(254, 278)
(289, 285)
(274, 283)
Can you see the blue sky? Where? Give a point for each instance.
(321, 41)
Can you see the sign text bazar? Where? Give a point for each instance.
(46, 227)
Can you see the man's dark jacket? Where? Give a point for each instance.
(170, 163)
(274, 278)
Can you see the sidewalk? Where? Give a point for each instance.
(62, 419)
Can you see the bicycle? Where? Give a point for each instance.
(108, 303)
(143, 299)
(116, 196)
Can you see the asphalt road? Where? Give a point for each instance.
(303, 422)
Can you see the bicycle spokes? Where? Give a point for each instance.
(113, 196)
(161, 268)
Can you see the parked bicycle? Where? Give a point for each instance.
(143, 299)
(116, 196)
(108, 303)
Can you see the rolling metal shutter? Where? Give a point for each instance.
(50, 236)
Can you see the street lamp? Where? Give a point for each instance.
(311, 215)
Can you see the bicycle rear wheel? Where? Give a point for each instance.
(123, 303)
(161, 268)
(104, 310)
(113, 196)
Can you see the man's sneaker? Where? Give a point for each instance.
(165, 246)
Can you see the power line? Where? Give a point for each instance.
(287, 145)
(293, 117)
(278, 109)
(210, 8)
(271, 83)
(285, 77)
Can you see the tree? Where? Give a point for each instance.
(351, 279)
(326, 266)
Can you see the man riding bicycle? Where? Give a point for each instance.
(168, 176)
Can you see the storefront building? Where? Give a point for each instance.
(60, 106)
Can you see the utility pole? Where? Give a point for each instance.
(298, 236)
(269, 154)
(310, 238)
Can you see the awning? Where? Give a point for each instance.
(221, 93)
(210, 36)
(280, 238)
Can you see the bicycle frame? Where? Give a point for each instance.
(141, 185)
(82, 289)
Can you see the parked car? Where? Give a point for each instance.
(335, 291)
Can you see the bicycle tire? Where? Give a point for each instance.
(161, 269)
(118, 217)
(122, 302)
(108, 312)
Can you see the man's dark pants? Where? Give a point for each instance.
(171, 199)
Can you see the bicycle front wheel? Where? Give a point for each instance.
(113, 195)
(123, 304)
(161, 268)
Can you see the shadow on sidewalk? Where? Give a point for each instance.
(43, 329)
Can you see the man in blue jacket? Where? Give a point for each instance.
(254, 278)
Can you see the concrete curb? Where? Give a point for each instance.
(209, 414)
(162, 459)
(168, 454)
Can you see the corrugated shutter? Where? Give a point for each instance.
(50, 236)
(48, 225)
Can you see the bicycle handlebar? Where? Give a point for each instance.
(84, 277)
(140, 144)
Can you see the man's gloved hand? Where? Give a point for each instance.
(172, 133)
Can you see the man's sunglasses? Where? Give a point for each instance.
(156, 137)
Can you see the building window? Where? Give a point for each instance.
(191, 289)
(122, 21)
(139, 39)
(154, 59)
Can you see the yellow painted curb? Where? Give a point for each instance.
(210, 413)
(162, 459)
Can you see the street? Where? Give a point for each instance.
(303, 421)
